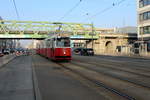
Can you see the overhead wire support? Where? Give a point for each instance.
(67, 13)
(16, 9)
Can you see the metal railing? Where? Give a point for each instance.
(33, 29)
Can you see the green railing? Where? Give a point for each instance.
(41, 29)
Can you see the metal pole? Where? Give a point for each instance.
(92, 35)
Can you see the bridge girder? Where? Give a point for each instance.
(42, 29)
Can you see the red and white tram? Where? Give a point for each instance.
(56, 48)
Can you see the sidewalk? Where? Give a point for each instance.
(16, 81)
(6, 58)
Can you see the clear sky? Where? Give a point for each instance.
(52, 10)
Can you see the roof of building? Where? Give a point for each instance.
(128, 29)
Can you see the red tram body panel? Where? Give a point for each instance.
(62, 53)
(56, 48)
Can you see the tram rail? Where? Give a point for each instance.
(118, 77)
(100, 84)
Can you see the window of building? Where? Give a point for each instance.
(148, 2)
(144, 16)
(143, 3)
(148, 15)
(145, 30)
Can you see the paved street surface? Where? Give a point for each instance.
(130, 77)
(54, 84)
(16, 80)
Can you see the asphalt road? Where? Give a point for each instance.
(55, 84)
(128, 75)
(16, 80)
(125, 74)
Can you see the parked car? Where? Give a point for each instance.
(1, 54)
(87, 52)
(12, 50)
(6, 51)
(78, 51)
(84, 51)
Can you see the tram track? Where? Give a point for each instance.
(129, 60)
(140, 72)
(134, 90)
(100, 92)
(128, 64)
(118, 77)
(99, 84)
(137, 67)
(104, 84)
(120, 68)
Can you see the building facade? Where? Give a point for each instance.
(143, 10)
(143, 20)
(112, 44)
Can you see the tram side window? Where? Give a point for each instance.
(53, 43)
(60, 43)
(47, 44)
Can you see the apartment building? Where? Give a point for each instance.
(143, 20)
(143, 10)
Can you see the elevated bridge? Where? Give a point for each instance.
(12, 29)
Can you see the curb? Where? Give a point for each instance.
(37, 94)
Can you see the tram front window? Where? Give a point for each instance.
(63, 42)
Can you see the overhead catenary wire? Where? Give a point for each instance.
(17, 13)
(121, 1)
(106, 9)
(68, 12)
